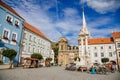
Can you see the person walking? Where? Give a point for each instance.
(93, 70)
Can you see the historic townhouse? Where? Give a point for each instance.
(116, 37)
(34, 41)
(11, 25)
(101, 47)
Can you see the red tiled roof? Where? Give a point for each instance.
(9, 8)
(116, 34)
(35, 30)
(100, 41)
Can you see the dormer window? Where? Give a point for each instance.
(9, 19)
(16, 23)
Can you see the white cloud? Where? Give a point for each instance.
(103, 6)
(96, 29)
(38, 15)
(99, 21)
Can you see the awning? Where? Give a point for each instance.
(31, 59)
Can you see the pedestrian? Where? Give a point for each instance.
(113, 68)
(93, 70)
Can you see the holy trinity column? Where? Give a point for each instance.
(83, 43)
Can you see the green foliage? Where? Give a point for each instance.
(49, 58)
(37, 55)
(10, 53)
(55, 52)
(104, 60)
(55, 48)
(76, 58)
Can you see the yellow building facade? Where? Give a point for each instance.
(66, 53)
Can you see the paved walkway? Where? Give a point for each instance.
(52, 73)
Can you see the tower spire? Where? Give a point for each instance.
(83, 42)
(84, 29)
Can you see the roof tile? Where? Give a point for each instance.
(116, 34)
(35, 30)
(100, 41)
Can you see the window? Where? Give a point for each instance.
(109, 47)
(62, 47)
(25, 36)
(119, 54)
(34, 39)
(95, 54)
(39, 41)
(101, 47)
(33, 50)
(118, 45)
(5, 34)
(16, 23)
(14, 37)
(29, 48)
(23, 48)
(95, 48)
(9, 19)
(110, 54)
(102, 54)
(96, 61)
(38, 50)
(30, 38)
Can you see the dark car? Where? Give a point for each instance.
(71, 67)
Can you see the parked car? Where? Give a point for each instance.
(71, 67)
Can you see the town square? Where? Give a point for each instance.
(59, 40)
(53, 73)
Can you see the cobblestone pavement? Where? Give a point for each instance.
(52, 73)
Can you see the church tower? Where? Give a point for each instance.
(83, 43)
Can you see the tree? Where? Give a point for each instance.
(49, 58)
(55, 52)
(104, 60)
(10, 53)
(37, 55)
(76, 58)
(55, 47)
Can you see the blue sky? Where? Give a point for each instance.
(58, 18)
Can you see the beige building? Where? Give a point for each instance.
(66, 53)
(116, 38)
